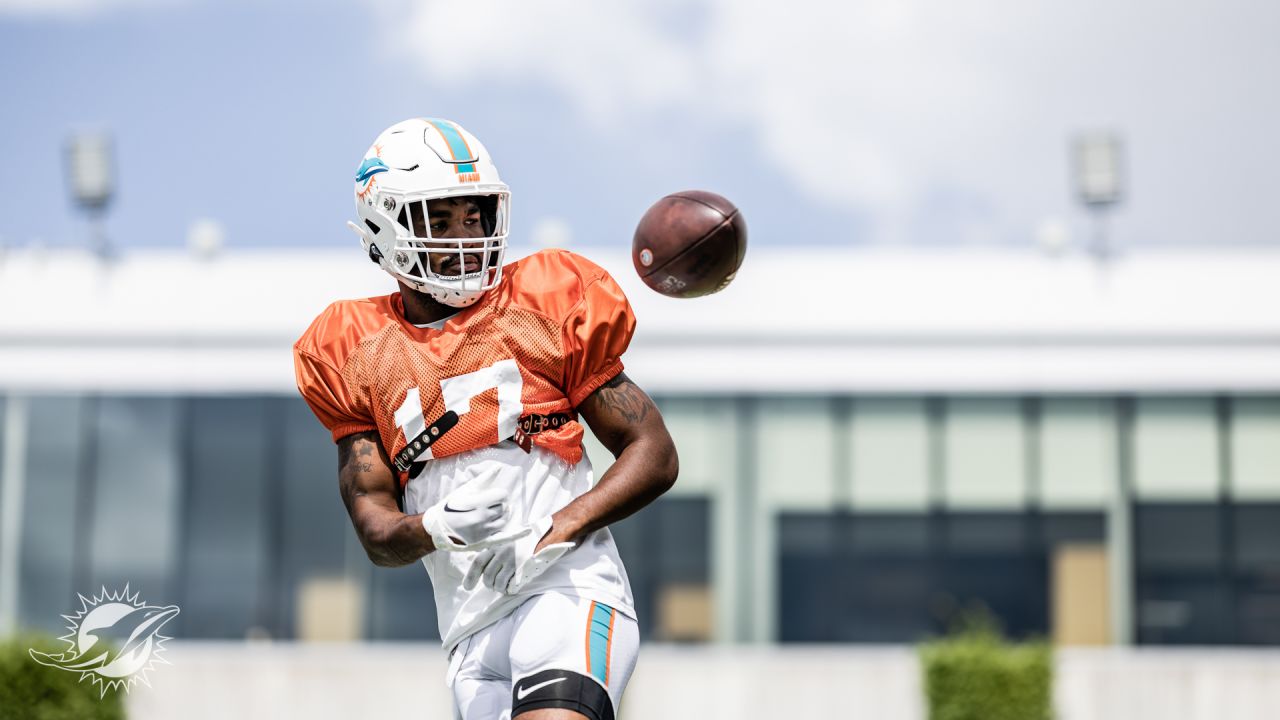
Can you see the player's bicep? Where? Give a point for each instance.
(619, 413)
(364, 472)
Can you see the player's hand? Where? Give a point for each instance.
(469, 518)
(508, 568)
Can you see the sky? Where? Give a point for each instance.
(883, 122)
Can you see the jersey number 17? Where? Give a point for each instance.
(457, 392)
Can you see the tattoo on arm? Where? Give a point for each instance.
(368, 488)
(630, 426)
(355, 457)
(623, 397)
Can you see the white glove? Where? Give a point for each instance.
(469, 519)
(508, 568)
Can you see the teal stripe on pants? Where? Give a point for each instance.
(598, 659)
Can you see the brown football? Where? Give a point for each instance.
(689, 244)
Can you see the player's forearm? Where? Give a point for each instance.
(624, 419)
(368, 488)
(389, 537)
(645, 469)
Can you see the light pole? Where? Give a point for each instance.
(91, 174)
(1099, 179)
(1097, 165)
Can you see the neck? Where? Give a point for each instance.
(420, 308)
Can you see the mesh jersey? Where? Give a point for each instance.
(549, 335)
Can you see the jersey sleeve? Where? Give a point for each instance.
(328, 396)
(596, 333)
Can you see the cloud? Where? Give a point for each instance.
(933, 118)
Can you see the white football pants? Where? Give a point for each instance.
(548, 631)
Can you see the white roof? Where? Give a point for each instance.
(794, 321)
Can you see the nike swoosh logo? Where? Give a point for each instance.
(449, 509)
(522, 692)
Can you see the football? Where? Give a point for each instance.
(689, 244)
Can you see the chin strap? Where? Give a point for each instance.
(453, 298)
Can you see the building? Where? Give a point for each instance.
(873, 443)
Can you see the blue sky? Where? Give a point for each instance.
(887, 122)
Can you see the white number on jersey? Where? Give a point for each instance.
(457, 392)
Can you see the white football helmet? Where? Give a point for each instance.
(409, 164)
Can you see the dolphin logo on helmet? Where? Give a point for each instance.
(370, 167)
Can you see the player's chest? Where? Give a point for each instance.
(472, 388)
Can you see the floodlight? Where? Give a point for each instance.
(91, 170)
(1098, 171)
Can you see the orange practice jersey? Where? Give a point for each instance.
(550, 334)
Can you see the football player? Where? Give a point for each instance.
(456, 404)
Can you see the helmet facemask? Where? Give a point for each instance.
(455, 271)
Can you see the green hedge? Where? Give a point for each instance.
(31, 691)
(975, 675)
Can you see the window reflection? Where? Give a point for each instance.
(133, 526)
(50, 541)
(224, 517)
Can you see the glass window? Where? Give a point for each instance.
(308, 522)
(900, 578)
(1175, 449)
(1257, 539)
(1013, 587)
(985, 454)
(1208, 573)
(134, 535)
(813, 533)
(1077, 453)
(50, 536)
(227, 485)
(795, 451)
(1074, 527)
(882, 535)
(889, 445)
(988, 534)
(814, 600)
(1255, 448)
(1257, 566)
(1178, 538)
(704, 432)
(1182, 611)
(666, 548)
(401, 605)
(1258, 611)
